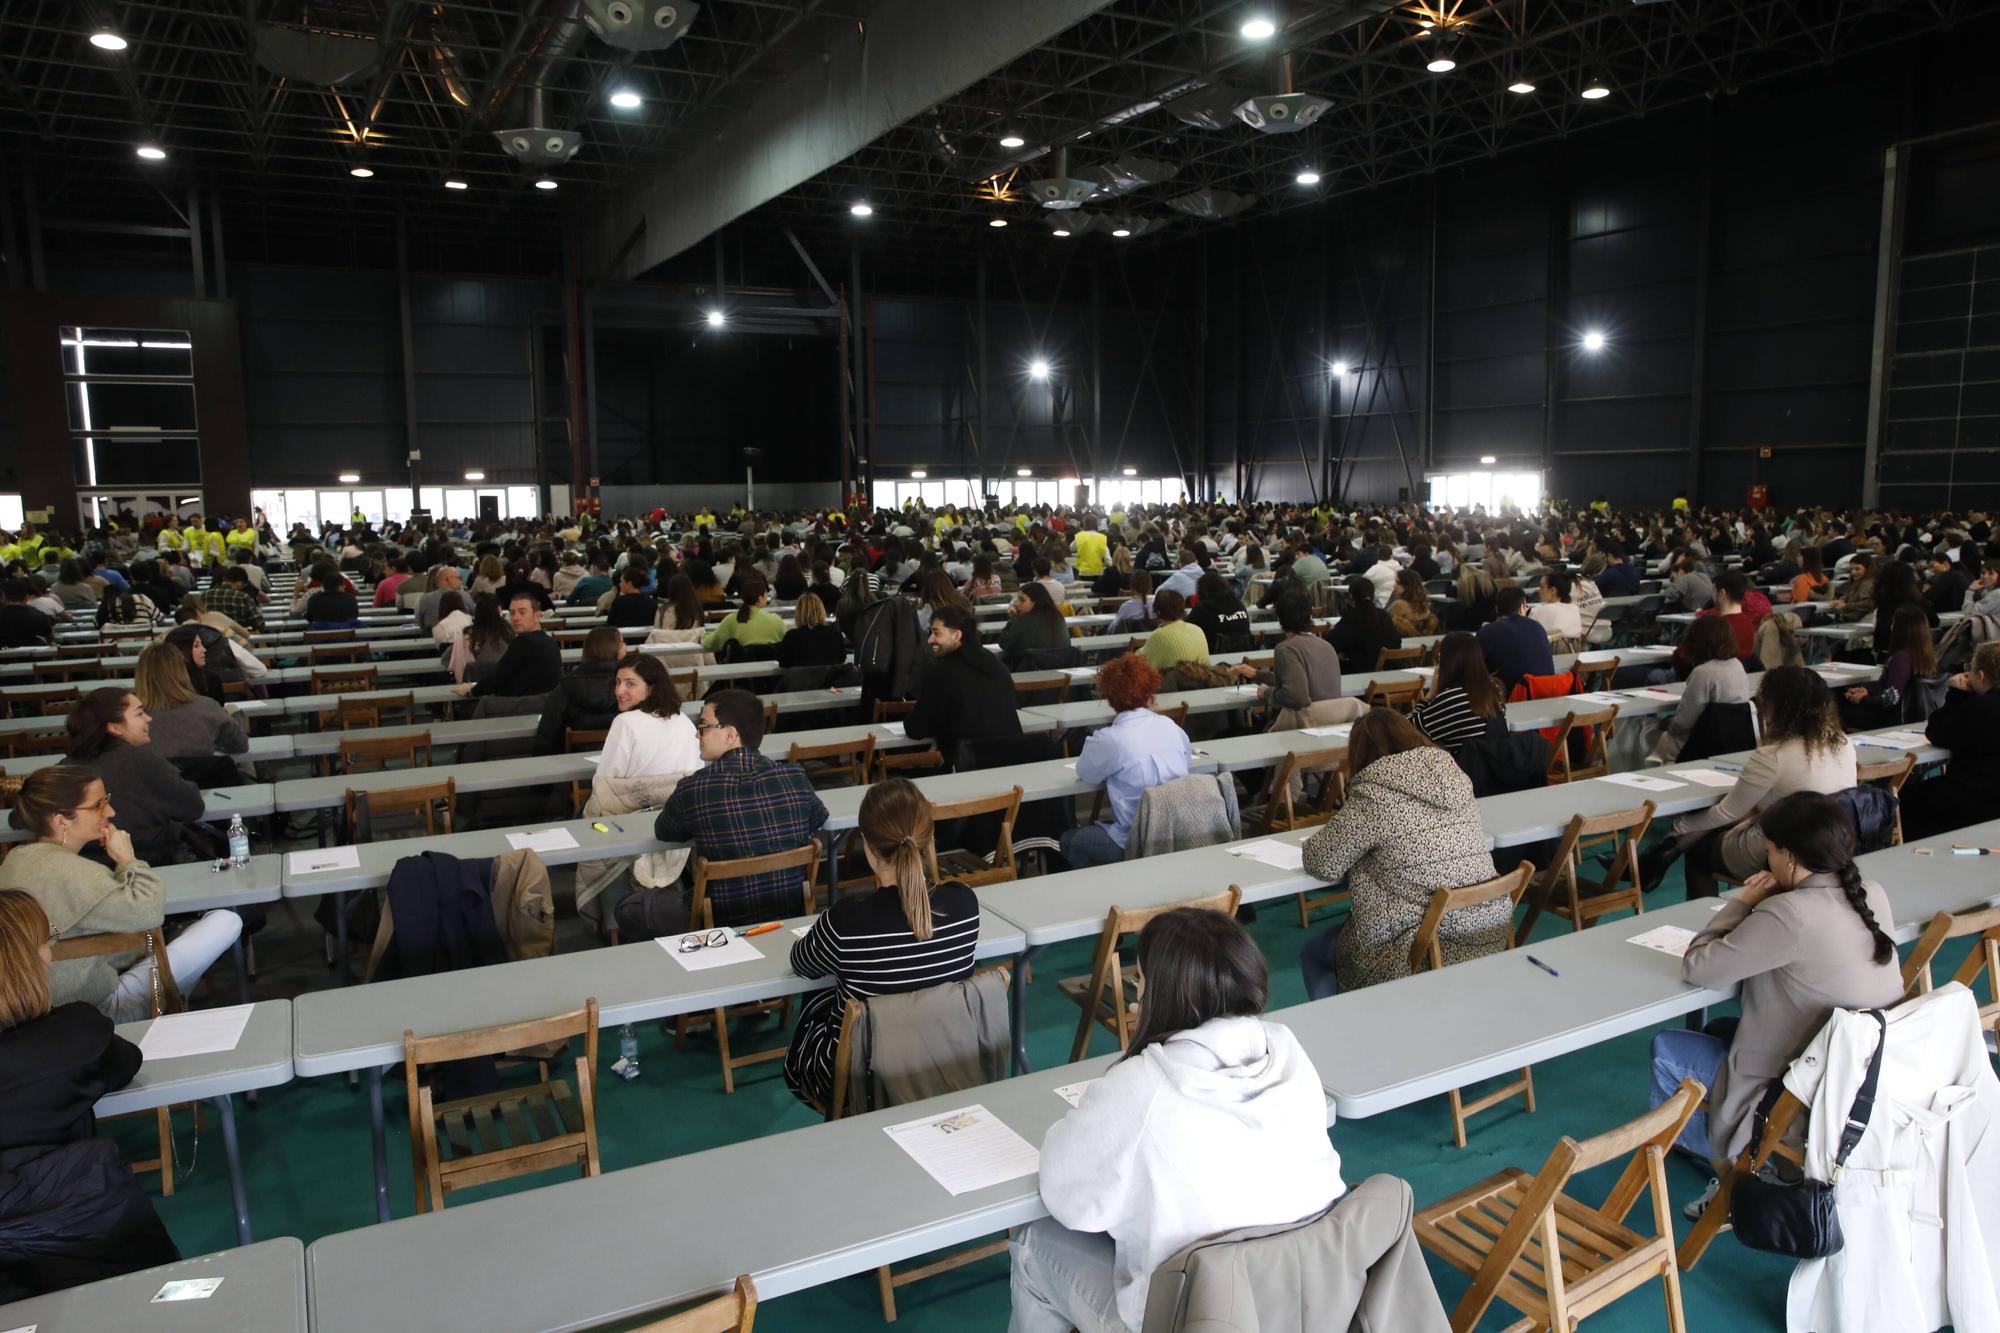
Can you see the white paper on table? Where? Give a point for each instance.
(967, 1149)
(1894, 740)
(186, 1289)
(738, 950)
(1073, 1092)
(542, 840)
(1667, 695)
(1672, 941)
(1600, 697)
(1706, 777)
(802, 931)
(313, 860)
(1657, 648)
(1337, 729)
(1071, 764)
(894, 728)
(1643, 781)
(197, 1032)
(1283, 855)
(25, 1328)
(1424, 671)
(1080, 673)
(592, 758)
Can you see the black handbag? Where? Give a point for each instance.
(1800, 1220)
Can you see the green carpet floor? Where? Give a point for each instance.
(306, 1150)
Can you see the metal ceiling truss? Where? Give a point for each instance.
(277, 150)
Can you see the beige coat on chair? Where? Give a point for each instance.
(625, 796)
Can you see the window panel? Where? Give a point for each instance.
(396, 503)
(460, 502)
(522, 502)
(12, 514)
(432, 499)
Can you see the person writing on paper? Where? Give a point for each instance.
(740, 804)
(650, 746)
(66, 809)
(1967, 724)
(1305, 669)
(1410, 826)
(1804, 937)
(1717, 678)
(904, 936)
(1139, 750)
(1802, 748)
(1464, 701)
(1212, 1120)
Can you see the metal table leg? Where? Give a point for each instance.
(226, 1108)
(1018, 1010)
(340, 934)
(239, 953)
(375, 1127)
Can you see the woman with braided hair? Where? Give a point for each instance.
(905, 936)
(1806, 936)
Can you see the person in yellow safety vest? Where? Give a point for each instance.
(241, 537)
(945, 521)
(704, 519)
(171, 538)
(1090, 547)
(1680, 504)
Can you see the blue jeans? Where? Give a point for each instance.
(1316, 962)
(1680, 1053)
(1091, 845)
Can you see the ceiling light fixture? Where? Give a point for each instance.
(1038, 369)
(456, 184)
(360, 173)
(861, 210)
(1011, 135)
(545, 183)
(1259, 29)
(1060, 231)
(1024, 472)
(627, 100)
(1441, 63)
(1487, 460)
(1593, 341)
(1594, 90)
(1307, 177)
(475, 476)
(350, 477)
(1339, 368)
(106, 40)
(716, 319)
(1121, 232)
(918, 475)
(1521, 87)
(1131, 472)
(1444, 52)
(996, 222)
(151, 152)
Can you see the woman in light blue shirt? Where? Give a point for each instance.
(1140, 749)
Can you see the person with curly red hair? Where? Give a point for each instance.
(1140, 749)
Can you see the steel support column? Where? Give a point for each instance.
(195, 257)
(858, 371)
(1096, 368)
(1430, 453)
(1888, 292)
(981, 366)
(1704, 263)
(406, 324)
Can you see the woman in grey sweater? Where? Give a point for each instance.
(1305, 668)
(185, 725)
(1718, 678)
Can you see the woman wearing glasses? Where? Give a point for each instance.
(905, 936)
(66, 808)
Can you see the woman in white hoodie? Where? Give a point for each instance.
(1213, 1120)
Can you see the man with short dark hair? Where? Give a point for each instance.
(633, 605)
(1946, 591)
(532, 663)
(967, 694)
(21, 625)
(1618, 579)
(230, 595)
(1514, 645)
(740, 804)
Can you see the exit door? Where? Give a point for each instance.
(489, 508)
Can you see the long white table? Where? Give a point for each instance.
(263, 1290)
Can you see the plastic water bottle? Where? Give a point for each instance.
(239, 842)
(627, 1067)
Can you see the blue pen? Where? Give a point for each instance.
(1729, 768)
(1542, 965)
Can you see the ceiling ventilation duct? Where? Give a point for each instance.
(308, 56)
(1211, 205)
(639, 25)
(1286, 112)
(1127, 174)
(1208, 108)
(537, 144)
(1061, 190)
(534, 143)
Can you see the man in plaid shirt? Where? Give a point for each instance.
(739, 804)
(230, 594)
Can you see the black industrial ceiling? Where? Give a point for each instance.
(274, 152)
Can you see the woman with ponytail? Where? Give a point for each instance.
(905, 936)
(750, 624)
(1806, 936)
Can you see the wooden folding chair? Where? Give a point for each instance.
(1398, 659)
(85, 650)
(570, 638)
(1554, 888)
(893, 710)
(500, 1135)
(581, 740)
(1427, 955)
(434, 805)
(1596, 728)
(379, 710)
(344, 680)
(1041, 690)
(1401, 695)
(330, 654)
(64, 672)
(331, 636)
(890, 763)
(1891, 774)
(687, 684)
(846, 763)
(1102, 994)
(887, 1279)
(49, 704)
(1528, 1243)
(166, 999)
(1784, 1114)
(23, 744)
(969, 867)
(701, 916)
(1179, 714)
(1984, 958)
(731, 1312)
(1594, 677)
(368, 754)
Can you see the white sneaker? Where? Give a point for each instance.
(1693, 1210)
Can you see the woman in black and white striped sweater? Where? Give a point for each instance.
(905, 936)
(1464, 701)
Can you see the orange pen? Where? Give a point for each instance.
(758, 930)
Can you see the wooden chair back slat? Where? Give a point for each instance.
(732, 1312)
(1426, 952)
(804, 858)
